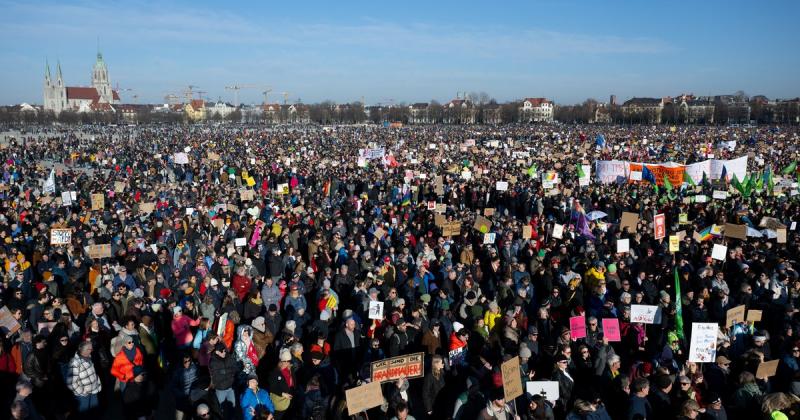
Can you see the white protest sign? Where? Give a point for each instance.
(66, 199)
(558, 231)
(720, 195)
(719, 252)
(501, 186)
(623, 246)
(703, 347)
(488, 238)
(240, 242)
(375, 309)
(646, 314)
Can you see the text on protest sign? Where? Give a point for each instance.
(407, 366)
(646, 314)
(60, 236)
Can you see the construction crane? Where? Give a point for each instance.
(200, 93)
(189, 94)
(171, 98)
(285, 97)
(235, 89)
(266, 95)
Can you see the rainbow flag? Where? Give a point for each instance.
(705, 234)
(406, 199)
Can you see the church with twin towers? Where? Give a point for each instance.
(99, 97)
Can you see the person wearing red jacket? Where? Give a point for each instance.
(128, 364)
(241, 283)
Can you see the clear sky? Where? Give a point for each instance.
(407, 51)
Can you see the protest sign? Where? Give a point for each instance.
(753, 315)
(734, 315)
(60, 236)
(719, 195)
(703, 346)
(99, 251)
(780, 235)
(146, 208)
(439, 220)
(482, 224)
(719, 252)
(488, 211)
(375, 309)
(547, 389)
(577, 327)
(558, 231)
(735, 231)
(66, 199)
(674, 243)
(512, 382)
(629, 220)
(683, 219)
(623, 246)
(458, 357)
(282, 189)
(451, 229)
(240, 242)
(488, 238)
(181, 158)
(364, 397)
(246, 194)
(527, 232)
(659, 226)
(501, 186)
(406, 366)
(8, 325)
(611, 329)
(767, 369)
(98, 202)
(646, 314)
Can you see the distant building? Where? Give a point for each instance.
(492, 114)
(695, 110)
(536, 110)
(98, 97)
(220, 108)
(459, 111)
(418, 113)
(195, 110)
(734, 108)
(644, 110)
(602, 115)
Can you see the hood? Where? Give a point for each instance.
(241, 328)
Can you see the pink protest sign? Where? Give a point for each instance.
(611, 329)
(577, 327)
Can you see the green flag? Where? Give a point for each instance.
(687, 179)
(770, 181)
(581, 174)
(759, 184)
(667, 184)
(736, 184)
(678, 306)
(790, 169)
(532, 171)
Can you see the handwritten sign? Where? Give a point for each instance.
(645, 314)
(753, 315)
(703, 347)
(246, 194)
(512, 382)
(240, 242)
(629, 220)
(527, 232)
(99, 251)
(611, 329)
(734, 315)
(8, 325)
(451, 229)
(364, 397)
(98, 202)
(406, 366)
(482, 224)
(60, 236)
(147, 208)
(736, 231)
(674, 243)
(767, 369)
(488, 238)
(577, 327)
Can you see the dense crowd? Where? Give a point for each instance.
(244, 265)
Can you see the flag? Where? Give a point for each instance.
(581, 174)
(532, 171)
(600, 141)
(759, 181)
(736, 184)
(50, 183)
(678, 306)
(667, 184)
(687, 179)
(647, 175)
(705, 234)
(724, 175)
(790, 169)
(406, 199)
(704, 181)
(768, 180)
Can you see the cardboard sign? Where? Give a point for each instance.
(60, 236)
(8, 325)
(674, 243)
(630, 221)
(719, 252)
(99, 251)
(683, 219)
(611, 329)
(488, 212)
(439, 220)
(547, 389)
(753, 315)
(734, 315)
(558, 231)
(98, 202)
(527, 232)
(512, 382)
(119, 186)
(623, 246)
(659, 226)
(767, 369)
(736, 231)
(146, 208)
(246, 194)
(780, 236)
(379, 233)
(703, 347)
(441, 208)
(375, 309)
(577, 327)
(406, 366)
(482, 224)
(364, 397)
(451, 229)
(645, 314)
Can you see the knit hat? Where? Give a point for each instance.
(525, 352)
(285, 355)
(290, 326)
(259, 324)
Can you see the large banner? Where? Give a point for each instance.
(407, 366)
(611, 171)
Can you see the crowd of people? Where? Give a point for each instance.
(219, 272)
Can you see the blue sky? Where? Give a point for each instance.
(409, 51)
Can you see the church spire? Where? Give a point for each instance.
(58, 71)
(46, 70)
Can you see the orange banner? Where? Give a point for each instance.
(675, 174)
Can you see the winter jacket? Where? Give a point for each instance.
(181, 329)
(122, 368)
(253, 399)
(242, 350)
(223, 371)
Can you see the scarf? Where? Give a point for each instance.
(252, 353)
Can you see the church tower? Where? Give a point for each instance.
(100, 80)
(55, 93)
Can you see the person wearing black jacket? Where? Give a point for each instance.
(223, 369)
(433, 384)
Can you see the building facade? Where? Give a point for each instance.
(98, 97)
(536, 110)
